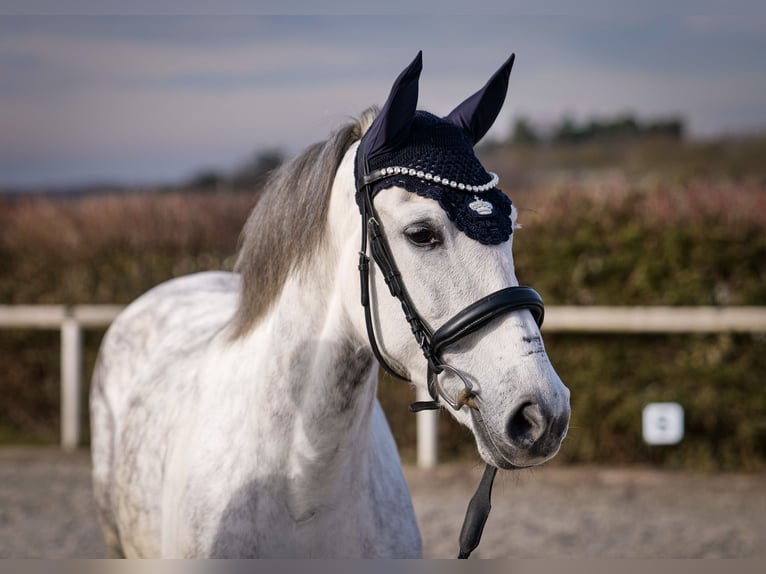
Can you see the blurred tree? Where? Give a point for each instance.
(524, 133)
(206, 180)
(624, 126)
(620, 127)
(566, 131)
(253, 173)
(672, 128)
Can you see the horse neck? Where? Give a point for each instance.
(321, 375)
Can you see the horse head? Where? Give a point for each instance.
(440, 233)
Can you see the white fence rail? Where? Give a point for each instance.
(71, 320)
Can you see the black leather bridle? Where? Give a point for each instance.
(432, 344)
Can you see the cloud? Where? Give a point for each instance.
(127, 63)
(160, 96)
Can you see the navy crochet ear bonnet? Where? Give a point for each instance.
(434, 157)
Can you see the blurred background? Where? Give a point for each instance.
(132, 148)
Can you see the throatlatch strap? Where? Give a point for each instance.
(477, 513)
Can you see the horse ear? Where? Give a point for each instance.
(393, 122)
(477, 114)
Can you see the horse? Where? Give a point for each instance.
(234, 414)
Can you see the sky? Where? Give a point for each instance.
(142, 98)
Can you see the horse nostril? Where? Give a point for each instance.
(526, 424)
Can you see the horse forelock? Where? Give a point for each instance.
(288, 224)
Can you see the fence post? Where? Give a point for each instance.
(428, 433)
(71, 375)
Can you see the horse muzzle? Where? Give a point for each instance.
(529, 434)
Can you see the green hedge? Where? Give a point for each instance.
(717, 378)
(606, 244)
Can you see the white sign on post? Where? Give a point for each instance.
(663, 423)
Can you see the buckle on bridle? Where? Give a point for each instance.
(466, 395)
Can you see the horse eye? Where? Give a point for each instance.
(422, 236)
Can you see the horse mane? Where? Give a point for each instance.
(276, 242)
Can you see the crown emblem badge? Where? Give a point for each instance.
(481, 206)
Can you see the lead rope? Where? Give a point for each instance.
(477, 513)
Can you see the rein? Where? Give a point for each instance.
(431, 344)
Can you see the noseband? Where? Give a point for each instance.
(465, 322)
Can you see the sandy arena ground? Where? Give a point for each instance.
(46, 511)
